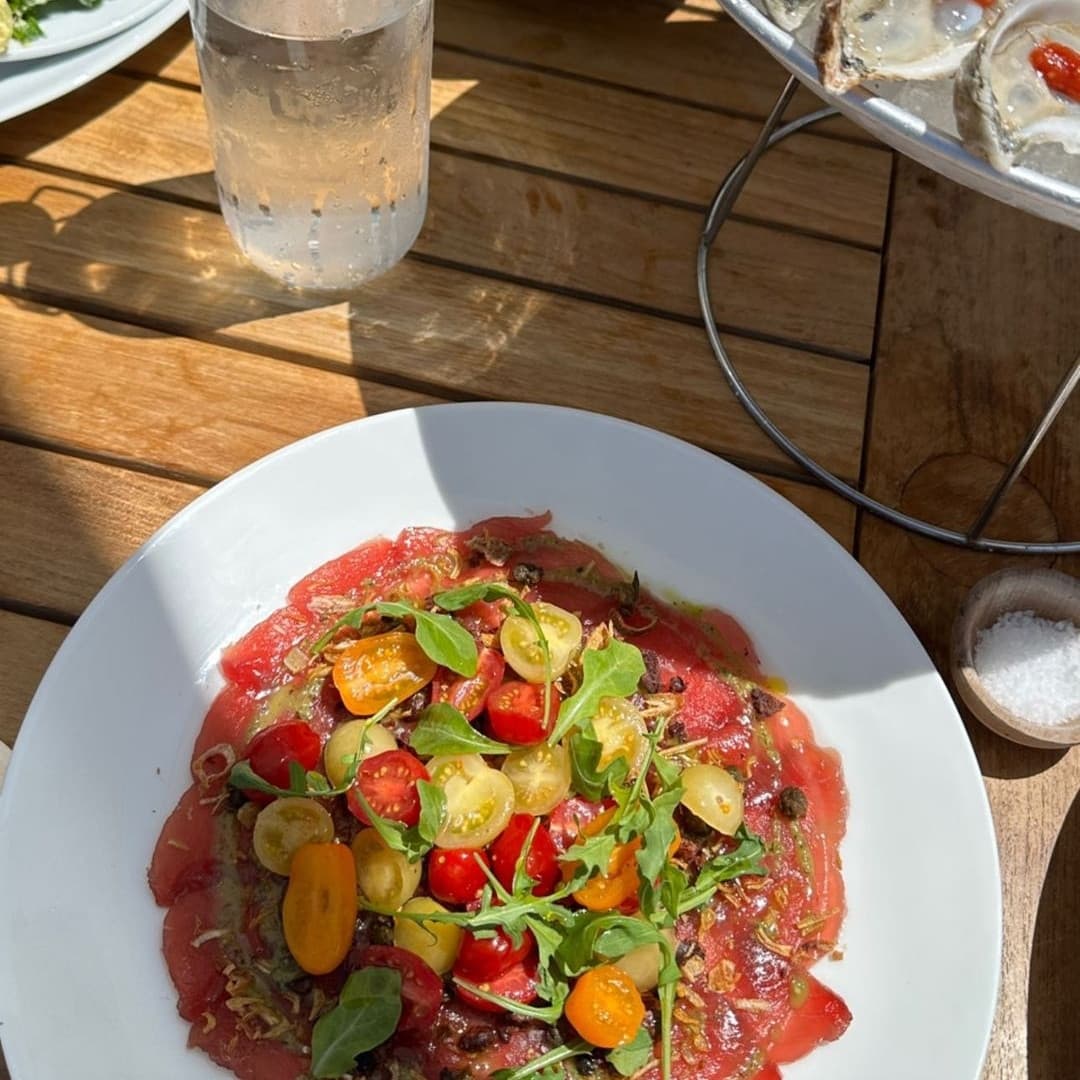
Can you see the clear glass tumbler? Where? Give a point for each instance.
(319, 113)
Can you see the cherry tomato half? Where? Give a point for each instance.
(516, 712)
(468, 695)
(374, 671)
(569, 818)
(605, 1007)
(388, 783)
(482, 959)
(421, 988)
(454, 875)
(275, 748)
(517, 983)
(541, 864)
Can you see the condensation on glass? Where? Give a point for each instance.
(319, 116)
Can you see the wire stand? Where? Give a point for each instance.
(719, 211)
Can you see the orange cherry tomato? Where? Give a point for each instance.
(620, 885)
(605, 1007)
(375, 671)
(319, 912)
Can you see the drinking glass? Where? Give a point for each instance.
(319, 113)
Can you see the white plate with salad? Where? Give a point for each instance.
(24, 87)
(35, 29)
(105, 749)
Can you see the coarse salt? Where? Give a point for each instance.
(1031, 666)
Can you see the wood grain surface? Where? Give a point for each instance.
(901, 329)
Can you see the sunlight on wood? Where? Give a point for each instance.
(700, 11)
(444, 92)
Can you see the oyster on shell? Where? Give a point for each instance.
(789, 14)
(1002, 103)
(896, 39)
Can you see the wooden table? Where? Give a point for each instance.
(902, 329)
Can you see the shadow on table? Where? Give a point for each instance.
(1053, 1034)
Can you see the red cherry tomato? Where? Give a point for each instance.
(541, 864)
(482, 959)
(570, 817)
(274, 749)
(517, 983)
(421, 988)
(468, 695)
(516, 712)
(454, 876)
(388, 783)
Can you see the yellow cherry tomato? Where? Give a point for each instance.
(436, 943)
(385, 877)
(344, 744)
(521, 645)
(375, 671)
(714, 795)
(283, 827)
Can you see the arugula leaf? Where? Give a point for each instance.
(489, 591)
(366, 1016)
(548, 1014)
(613, 671)
(590, 856)
(657, 836)
(445, 641)
(747, 858)
(416, 841)
(588, 780)
(443, 730)
(442, 639)
(632, 1056)
(545, 1067)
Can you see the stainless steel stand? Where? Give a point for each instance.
(974, 538)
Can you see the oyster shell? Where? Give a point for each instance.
(789, 14)
(1002, 103)
(896, 39)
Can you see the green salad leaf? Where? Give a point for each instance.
(632, 1056)
(442, 729)
(366, 1016)
(613, 671)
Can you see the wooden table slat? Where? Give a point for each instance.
(145, 259)
(28, 646)
(542, 119)
(511, 222)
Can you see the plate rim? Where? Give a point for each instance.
(44, 47)
(98, 59)
(85, 624)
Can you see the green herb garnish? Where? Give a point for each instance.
(628, 1059)
(442, 729)
(613, 671)
(366, 1015)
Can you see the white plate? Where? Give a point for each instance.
(103, 754)
(27, 86)
(911, 134)
(67, 26)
